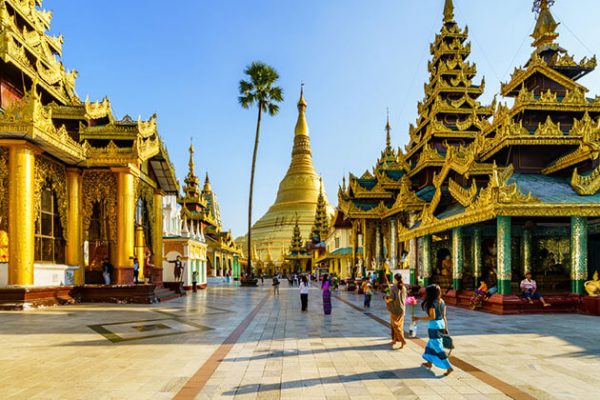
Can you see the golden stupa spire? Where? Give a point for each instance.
(301, 125)
(449, 11)
(388, 128)
(544, 33)
(207, 188)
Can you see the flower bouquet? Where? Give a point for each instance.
(412, 330)
(477, 300)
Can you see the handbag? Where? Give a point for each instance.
(448, 343)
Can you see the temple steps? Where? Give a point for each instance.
(165, 294)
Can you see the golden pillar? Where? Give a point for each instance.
(125, 225)
(157, 239)
(21, 176)
(73, 249)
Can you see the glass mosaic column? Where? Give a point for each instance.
(427, 265)
(503, 237)
(457, 258)
(527, 252)
(393, 240)
(412, 261)
(377, 245)
(477, 259)
(579, 256)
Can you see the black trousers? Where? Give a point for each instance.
(135, 276)
(304, 301)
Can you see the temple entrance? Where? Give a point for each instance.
(99, 245)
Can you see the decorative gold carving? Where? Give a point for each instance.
(98, 109)
(4, 184)
(499, 191)
(54, 174)
(100, 187)
(464, 196)
(549, 128)
(586, 185)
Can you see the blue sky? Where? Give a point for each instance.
(183, 60)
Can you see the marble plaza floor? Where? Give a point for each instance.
(230, 342)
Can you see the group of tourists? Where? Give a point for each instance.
(433, 306)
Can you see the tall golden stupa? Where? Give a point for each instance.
(296, 198)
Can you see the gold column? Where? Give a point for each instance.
(21, 176)
(157, 239)
(125, 225)
(73, 249)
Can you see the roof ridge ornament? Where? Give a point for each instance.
(448, 11)
(388, 128)
(544, 33)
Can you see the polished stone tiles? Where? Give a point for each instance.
(283, 354)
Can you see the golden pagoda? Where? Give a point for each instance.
(297, 197)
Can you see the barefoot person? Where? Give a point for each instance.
(435, 308)
(529, 288)
(395, 303)
(304, 292)
(326, 288)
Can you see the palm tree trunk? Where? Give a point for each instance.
(249, 266)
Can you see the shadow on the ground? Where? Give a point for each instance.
(404, 373)
(290, 353)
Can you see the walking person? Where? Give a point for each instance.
(326, 288)
(136, 270)
(195, 281)
(435, 308)
(368, 292)
(396, 305)
(276, 285)
(304, 292)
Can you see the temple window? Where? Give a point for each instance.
(49, 241)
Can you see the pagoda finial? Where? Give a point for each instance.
(545, 28)
(301, 101)
(388, 128)
(448, 11)
(191, 162)
(301, 125)
(207, 188)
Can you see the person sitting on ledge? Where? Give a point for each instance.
(528, 286)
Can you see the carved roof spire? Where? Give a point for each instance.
(449, 11)
(545, 28)
(388, 128)
(191, 162)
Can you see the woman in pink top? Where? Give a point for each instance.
(529, 287)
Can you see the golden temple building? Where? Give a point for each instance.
(296, 201)
(490, 192)
(196, 234)
(77, 184)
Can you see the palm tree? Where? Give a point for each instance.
(259, 89)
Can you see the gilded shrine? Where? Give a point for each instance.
(78, 184)
(489, 192)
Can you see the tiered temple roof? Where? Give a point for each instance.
(466, 162)
(45, 106)
(537, 157)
